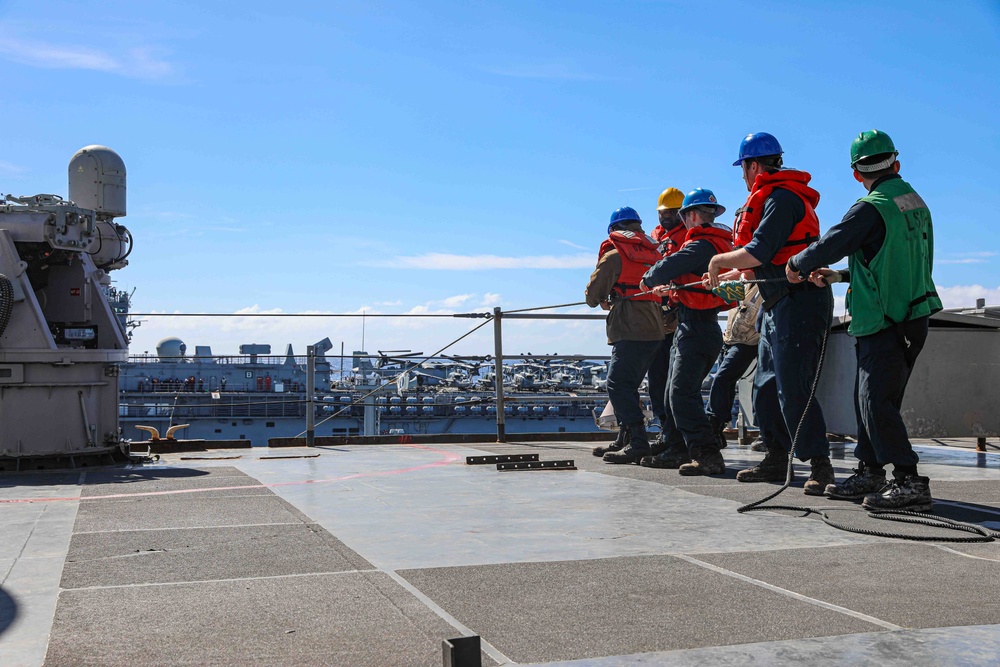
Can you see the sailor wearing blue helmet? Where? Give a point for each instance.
(778, 220)
(692, 447)
(634, 326)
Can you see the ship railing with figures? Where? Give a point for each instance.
(535, 392)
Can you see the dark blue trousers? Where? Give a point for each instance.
(659, 369)
(630, 360)
(736, 359)
(696, 346)
(884, 365)
(790, 338)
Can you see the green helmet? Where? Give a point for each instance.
(871, 143)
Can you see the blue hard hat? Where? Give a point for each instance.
(623, 214)
(758, 144)
(702, 197)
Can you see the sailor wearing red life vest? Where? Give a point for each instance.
(634, 326)
(698, 339)
(777, 221)
(670, 234)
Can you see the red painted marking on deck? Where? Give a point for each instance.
(449, 458)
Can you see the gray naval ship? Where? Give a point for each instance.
(257, 396)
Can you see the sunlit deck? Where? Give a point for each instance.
(372, 555)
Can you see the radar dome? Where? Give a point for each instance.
(170, 348)
(97, 181)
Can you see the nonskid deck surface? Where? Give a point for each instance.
(373, 555)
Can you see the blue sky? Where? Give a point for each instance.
(440, 157)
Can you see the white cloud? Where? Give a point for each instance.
(141, 63)
(966, 257)
(577, 246)
(456, 301)
(449, 262)
(964, 296)
(11, 168)
(490, 300)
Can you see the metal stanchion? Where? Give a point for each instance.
(310, 395)
(498, 373)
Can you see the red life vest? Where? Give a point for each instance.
(699, 298)
(748, 217)
(638, 252)
(670, 241)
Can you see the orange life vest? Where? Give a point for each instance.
(670, 241)
(699, 298)
(638, 252)
(748, 217)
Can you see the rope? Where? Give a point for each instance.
(399, 375)
(981, 534)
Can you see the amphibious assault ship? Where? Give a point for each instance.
(257, 396)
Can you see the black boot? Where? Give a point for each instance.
(773, 468)
(867, 478)
(672, 457)
(820, 476)
(615, 446)
(659, 445)
(704, 461)
(718, 426)
(637, 447)
(910, 492)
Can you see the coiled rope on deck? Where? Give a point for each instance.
(980, 533)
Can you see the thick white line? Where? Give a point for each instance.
(792, 594)
(488, 648)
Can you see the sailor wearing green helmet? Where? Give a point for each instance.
(888, 239)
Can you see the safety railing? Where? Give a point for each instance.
(312, 400)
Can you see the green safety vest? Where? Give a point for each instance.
(896, 285)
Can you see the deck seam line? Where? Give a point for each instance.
(792, 594)
(232, 525)
(219, 581)
(486, 647)
(962, 553)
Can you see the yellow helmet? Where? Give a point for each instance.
(670, 198)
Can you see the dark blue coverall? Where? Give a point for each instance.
(697, 343)
(736, 359)
(792, 327)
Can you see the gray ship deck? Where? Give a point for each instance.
(372, 555)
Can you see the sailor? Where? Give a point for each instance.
(670, 235)
(698, 339)
(888, 239)
(738, 352)
(778, 220)
(634, 326)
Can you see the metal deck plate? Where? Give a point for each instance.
(376, 555)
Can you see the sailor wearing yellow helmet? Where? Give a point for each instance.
(670, 234)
